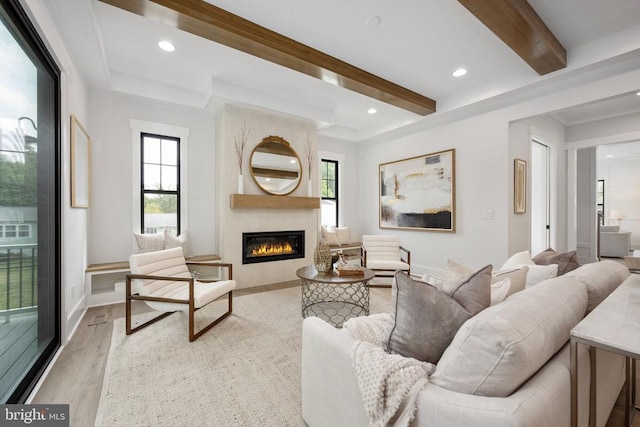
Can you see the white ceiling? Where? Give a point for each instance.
(417, 44)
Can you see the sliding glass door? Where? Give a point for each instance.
(29, 205)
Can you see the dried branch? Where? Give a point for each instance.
(239, 142)
(309, 154)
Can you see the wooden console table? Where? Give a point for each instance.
(614, 326)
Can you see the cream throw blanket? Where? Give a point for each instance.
(389, 383)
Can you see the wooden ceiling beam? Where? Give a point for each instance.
(517, 24)
(206, 20)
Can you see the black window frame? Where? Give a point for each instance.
(144, 191)
(49, 265)
(336, 181)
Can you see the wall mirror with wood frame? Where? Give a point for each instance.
(275, 166)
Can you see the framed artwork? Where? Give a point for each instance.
(519, 186)
(418, 193)
(80, 165)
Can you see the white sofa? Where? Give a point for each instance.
(331, 397)
(613, 242)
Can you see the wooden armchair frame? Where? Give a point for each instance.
(193, 335)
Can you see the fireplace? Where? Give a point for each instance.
(272, 246)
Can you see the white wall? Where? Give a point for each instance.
(481, 171)
(74, 100)
(111, 223)
(622, 192)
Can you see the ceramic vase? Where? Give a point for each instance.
(309, 188)
(240, 184)
(322, 258)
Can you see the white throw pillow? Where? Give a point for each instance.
(330, 236)
(500, 290)
(517, 260)
(343, 236)
(171, 241)
(149, 242)
(455, 270)
(538, 273)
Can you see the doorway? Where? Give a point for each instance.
(541, 197)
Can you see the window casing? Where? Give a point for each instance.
(160, 183)
(329, 192)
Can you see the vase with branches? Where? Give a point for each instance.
(239, 142)
(310, 154)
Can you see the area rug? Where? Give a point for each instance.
(243, 372)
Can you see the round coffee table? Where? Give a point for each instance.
(334, 298)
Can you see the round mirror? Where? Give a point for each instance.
(275, 166)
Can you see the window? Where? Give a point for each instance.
(10, 231)
(160, 157)
(329, 192)
(24, 230)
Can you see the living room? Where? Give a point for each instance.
(488, 127)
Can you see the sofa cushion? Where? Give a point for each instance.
(566, 261)
(517, 275)
(425, 318)
(536, 273)
(600, 278)
(500, 290)
(496, 351)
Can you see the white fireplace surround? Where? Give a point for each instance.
(232, 222)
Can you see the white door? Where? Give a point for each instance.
(540, 197)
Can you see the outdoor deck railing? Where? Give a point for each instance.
(18, 277)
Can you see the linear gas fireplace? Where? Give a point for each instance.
(272, 246)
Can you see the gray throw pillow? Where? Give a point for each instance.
(425, 318)
(566, 261)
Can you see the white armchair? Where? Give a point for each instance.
(613, 242)
(162, 280)
(384, 255)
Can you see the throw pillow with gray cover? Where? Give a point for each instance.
(566, 261)
(425, 318)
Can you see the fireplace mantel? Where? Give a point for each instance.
(259, 201)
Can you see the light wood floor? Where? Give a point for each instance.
(76, 377)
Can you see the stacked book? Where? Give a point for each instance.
(349, 270)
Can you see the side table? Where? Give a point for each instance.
(614, 326)
(334, 298)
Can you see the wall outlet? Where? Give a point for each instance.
(487, 215)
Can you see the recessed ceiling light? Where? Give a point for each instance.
(373, 21)
(638, 93)
(608, 156)
(372, 111)
(167, 46)
(459, 72)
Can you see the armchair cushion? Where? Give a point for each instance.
(171, 263)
